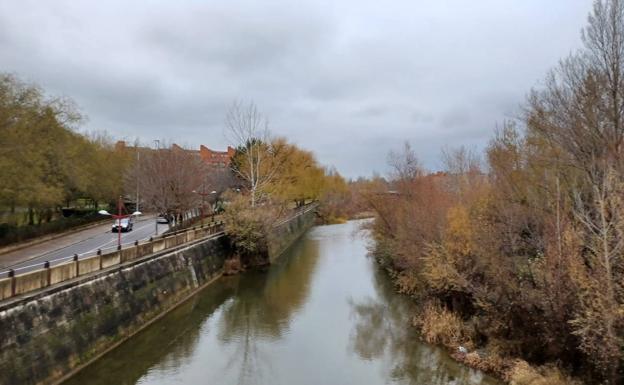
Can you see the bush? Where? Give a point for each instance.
(248, 227)
(440, 326)
(524, 374)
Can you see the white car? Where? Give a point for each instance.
(123, 224)
(162, 219)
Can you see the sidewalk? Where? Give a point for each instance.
(11, 258)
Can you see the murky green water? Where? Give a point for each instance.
(324, 314)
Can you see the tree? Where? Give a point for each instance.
(256, 161)
(168, 179)
(299, 177)
(578, 119)
(44, 161)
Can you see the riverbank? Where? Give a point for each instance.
(70, 324)
(438, 325)
(298, 322)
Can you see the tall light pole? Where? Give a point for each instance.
(137, 178)
(203, 195)
(214, 203)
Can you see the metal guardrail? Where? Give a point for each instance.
(53, 262)
(18, 281)
(60, 260)
(298, 211)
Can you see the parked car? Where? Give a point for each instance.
(123, 225)
(162, 218)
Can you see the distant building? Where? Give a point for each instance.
(210, 157)
(216, 158)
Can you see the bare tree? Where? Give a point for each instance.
(218, 180)
(405, 169)
(580, 116)
(255, 163)
(463, 166)
(166, 178)
(405, 164)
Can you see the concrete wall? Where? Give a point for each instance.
(285, 234)
(44, 277)
(46, 334)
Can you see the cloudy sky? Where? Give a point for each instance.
(349, 80)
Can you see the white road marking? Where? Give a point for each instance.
(116, 239)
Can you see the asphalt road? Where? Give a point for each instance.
(103, 239)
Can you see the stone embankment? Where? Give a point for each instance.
(50, 331)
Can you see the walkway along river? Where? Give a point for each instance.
(323, 314)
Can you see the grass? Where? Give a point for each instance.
(439, 326)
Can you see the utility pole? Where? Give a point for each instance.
(137, 178)
(119, 223)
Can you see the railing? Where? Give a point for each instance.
(21, 280)
(298, 211)
(37, 276)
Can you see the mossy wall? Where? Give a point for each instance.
(284, 235)
(47, 334)
(44, 336)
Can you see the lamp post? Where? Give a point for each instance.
(119, 216)
(214, 204)
(201, 208)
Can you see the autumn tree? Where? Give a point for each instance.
(299, 177)
(578, 119)
(45, 162)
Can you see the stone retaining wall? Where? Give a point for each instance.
(286, 233)
(47, 333)
(45, 336)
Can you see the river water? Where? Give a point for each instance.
(323, 314)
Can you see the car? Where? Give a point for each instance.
(162, 218)
(123, 225)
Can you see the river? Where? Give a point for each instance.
(323, 314)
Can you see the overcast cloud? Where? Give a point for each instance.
(349, 80)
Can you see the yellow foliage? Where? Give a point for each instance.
(299, 177)
(440, 269)
(524, 374)
(440, 326)
(459, 232)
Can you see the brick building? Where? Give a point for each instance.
(216, 158)
(210, 157)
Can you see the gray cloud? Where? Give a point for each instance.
(348, 80)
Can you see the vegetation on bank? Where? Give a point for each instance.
(275, 177)
(45, 164)
(520, 257)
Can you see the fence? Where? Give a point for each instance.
(66, 268)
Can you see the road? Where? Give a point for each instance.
(83, 243)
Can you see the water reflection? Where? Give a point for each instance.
(381, 332)
(323, 315)
(262, 309)
(167, 344)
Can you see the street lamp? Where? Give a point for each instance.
(203, 195)
(119, 216)
(214, 204)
